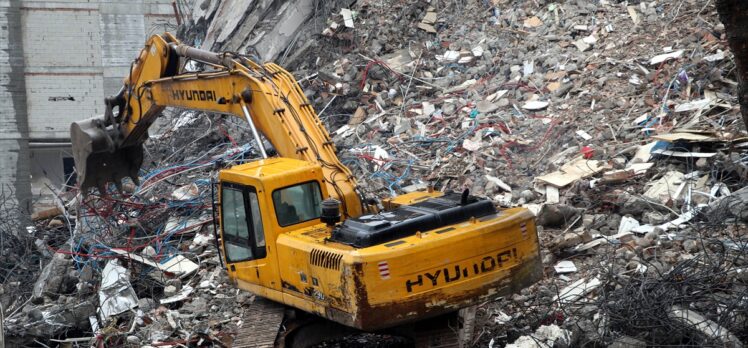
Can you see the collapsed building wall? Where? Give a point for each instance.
(60, 60)
(14, 164)
(268, 30)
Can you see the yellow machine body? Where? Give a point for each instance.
(400, 281)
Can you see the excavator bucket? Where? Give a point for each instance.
(98, 159)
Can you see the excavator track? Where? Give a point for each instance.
(447, 331)
(436, 338)
(262, 321)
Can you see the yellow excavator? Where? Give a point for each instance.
(294, 228)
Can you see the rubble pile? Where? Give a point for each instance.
(615, 122)
(138, 267)
(20, 255)
(515, 90)
(635, 290)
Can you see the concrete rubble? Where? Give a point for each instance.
(615, 122)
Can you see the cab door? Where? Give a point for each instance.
(243, 235)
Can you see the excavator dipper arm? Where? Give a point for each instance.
(268, 97)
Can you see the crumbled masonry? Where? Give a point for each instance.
(616, 122)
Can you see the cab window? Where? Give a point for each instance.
(243, 235)
(254, 206)
(298, 203)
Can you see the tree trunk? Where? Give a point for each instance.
(734, 15)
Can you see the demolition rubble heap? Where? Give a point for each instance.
(615, 122)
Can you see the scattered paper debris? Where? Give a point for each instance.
(565, 267)
(186, 192)
(633, 14)
(429, 18)
(692, 137)
(471, 145)
(116, 295)
(627, 224)
(665, 57)
(584, 135)
(578, 168)
(176, 266)
(694, 105)
(692, 154)
(533, 22)
(347, 17)
(720, 55)
(535, 105)
(644, 153)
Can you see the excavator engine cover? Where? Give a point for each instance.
(98, 158)
(434, 213)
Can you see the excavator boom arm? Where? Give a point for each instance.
(267, 96)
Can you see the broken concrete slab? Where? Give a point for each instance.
(666, 188)
(551, 215)
(704, 325)
(174, 296)
(235, 27)
(565, 266)
(733, 206)
(545, 336)
(50, 279)
(577, 290)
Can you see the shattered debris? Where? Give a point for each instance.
(615, 122)
(116, 295)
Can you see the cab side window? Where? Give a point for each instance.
(243, 233)
(259, 233)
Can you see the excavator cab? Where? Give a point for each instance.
(259, 201)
